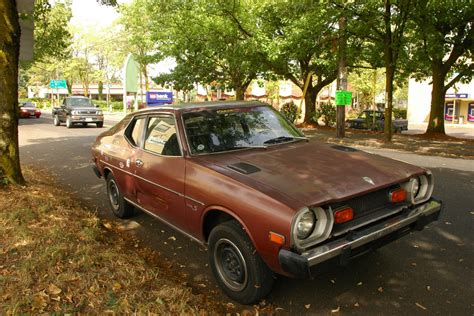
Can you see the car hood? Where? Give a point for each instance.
(310, 173)
(84, 108)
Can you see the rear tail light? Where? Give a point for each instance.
(343, 215)
(398, 195)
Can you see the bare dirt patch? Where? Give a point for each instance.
(433, 145)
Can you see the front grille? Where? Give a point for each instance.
(367, 209)
(87, 112)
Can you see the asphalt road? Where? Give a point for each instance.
(425, 273)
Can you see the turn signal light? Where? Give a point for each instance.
(343, 215)
(398, 195)
(277, 238)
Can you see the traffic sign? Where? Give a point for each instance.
(58, 84)
(343, 97)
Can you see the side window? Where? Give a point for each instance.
(133, 131)
(160, 136)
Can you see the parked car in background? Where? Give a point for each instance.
(266, 200)
(77, 110)
(365, 120)
(29, 109)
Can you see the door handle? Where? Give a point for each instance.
(138, 163)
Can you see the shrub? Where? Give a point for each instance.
(327, 113)
(400, 113)
(291, 111)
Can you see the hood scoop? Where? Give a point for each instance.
(244, 168)
(344, 148)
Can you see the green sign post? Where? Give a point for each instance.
(343, 97)
(58, 84)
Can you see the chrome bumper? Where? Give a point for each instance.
(347, 246)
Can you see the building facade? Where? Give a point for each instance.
(458, 106)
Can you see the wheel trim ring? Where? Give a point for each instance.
(113, 195)
(222, 271)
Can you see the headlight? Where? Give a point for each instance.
(415, 186)
(305, 225)
(311, 226)
(420, 188)
(74, 112)
(99, 112)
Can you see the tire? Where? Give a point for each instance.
(100, 124)
(237, 267)
(84, 124)
(56, 121)
(118, 205)
(68, 122)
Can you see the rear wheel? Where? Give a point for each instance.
(56, 121)
(119, 206)
(236, 265)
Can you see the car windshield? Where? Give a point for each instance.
(27, 105)
(220, 130)
(78, 102)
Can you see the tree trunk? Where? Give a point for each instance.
(310, 102)
(10, 170)
(240, 91)
(100, 90)
(389, 75)
(436, 122)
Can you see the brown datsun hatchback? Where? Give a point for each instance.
(266, 200)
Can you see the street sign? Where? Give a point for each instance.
(343, 97)
(58, 84)
(159, 97)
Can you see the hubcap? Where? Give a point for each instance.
(114, 195)
(230, 265)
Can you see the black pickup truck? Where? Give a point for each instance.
(366, 121)
(77, 110)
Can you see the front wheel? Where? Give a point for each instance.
(68, 122)
(119, 206)
(100, 124)
(56, 121)
(236, 265)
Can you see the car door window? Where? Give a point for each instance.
(133, 131)
(161, 137)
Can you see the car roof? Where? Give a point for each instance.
(187, 107)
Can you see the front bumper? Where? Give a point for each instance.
(87, 119)
(359, 241)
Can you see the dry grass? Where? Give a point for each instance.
(56, 257)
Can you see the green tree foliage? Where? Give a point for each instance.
(208, 48)
(52, 37)
(442, 49)
(297, 41)
(383, 25)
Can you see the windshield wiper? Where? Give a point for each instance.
(248, 146)
(283, 139)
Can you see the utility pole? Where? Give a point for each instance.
(341, 79)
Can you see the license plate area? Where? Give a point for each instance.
(88, 119)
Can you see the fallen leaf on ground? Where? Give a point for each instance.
(53, 289)
(172, 238)
(307, 306)
(333, 282)
(421, 306)
(380, 289)
(360, 283)
(336, 310)
(356, 304)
